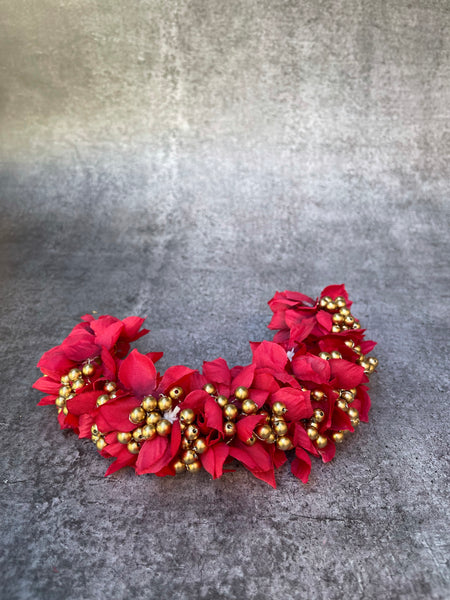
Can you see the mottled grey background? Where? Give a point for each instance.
(183, 160)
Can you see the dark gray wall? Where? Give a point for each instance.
(184, 160)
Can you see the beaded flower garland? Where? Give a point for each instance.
(304, 391)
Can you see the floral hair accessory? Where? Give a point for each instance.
(303, 392)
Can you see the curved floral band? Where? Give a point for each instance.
(303, 392)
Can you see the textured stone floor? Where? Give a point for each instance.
(183, 161)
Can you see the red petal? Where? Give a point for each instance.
(255, 458)
(302, 440)
(131, 326)
(258, 396)
(267, 476)
(300, 331)
(195, 400)
(113, 416)
(172, 377)
(367, 346)
(85, 423)
(328, 452)
(155, 356)
(138, 373)
(124, 459)
(151, 454)
(106, 332)
(213, 459)
(79, 346)
(109, 364)
(46, 401)
(83, 403)
(269, 354)
(278, 321)
(345, 374)
(325, 320)
(244, 378)
(301, 465)
(47, 385)
(217, 371)
(246, 426)
(311, 368)
(55, 363)
(213, 414)
(298, 403)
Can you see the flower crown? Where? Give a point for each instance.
(304, 391)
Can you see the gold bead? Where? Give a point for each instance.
(279, 409)
(102, 399)
(65, 410)
(209, 388)
(149, 403)
(137, 415)
(284, 443)
(251, 440)
(200, 445)
(249, 407)
(185, 444)
(331, 306)
(317, 395)
(336, 354)
(101, 443)
(163, 427)
(95, 438)
(353, 391)
(65, 391)
(60, 402)
(222, 401)
(353, 413)
(355, 422)
(366, 366)
(372, 361)
(326, 299)
(138, 434)
(340, 301)
(357, 349)
(347, 396)
(112, 395)
(88, 369)
(338, 437)
(191, 432)
(188, 457)
(65, 380)
(349, 343)
(133, 447)
(280, 428)
(324, 355)
(176, 393)
(153, 418)
(187, 415)
(229, 428)
(78, 384)
(74, 374)
(241, 393)
(344, 311)
(164, 403)
(314, 423)
(271, 439)
(94, 430)
(319, 415)
(321, 441)
(230, 411)
(263, 431)
(110, 387)
(123, 437)
(194, 467)
(179, 467)
(356, 325)
(342, 404)
(335, 328)
(312, 432)
(349, 320)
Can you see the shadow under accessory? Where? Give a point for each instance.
(302, 393)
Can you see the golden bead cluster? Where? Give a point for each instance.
(71, 383)
(272, 431)
(192, 443)
(341, 315)
(151, 420)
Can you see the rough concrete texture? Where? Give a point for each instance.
(183, 160)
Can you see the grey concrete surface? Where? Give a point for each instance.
(183, 160)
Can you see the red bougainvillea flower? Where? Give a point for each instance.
(304, 391)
